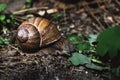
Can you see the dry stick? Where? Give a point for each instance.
(95, 11)
(3, 72)
(16, 49)
(49, 11)
(30, 9)
(84, 6)
(93, 2)
(107, 12)
(64, 11)
(111, 14)
(93, 16)
(117, 2)
(117, 18)
(103, 8)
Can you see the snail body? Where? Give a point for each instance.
(36, 33)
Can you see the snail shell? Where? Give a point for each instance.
(35, 33)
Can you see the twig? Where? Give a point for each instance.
(93, 15)
(95, 11)
(26, 10)
(64, 13)
(16, 49)
(49, 11)
(94, 2)
(3, 72)
(117, 2)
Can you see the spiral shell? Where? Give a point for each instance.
(35, 33)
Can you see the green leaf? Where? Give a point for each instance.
(12, 17)
(92, 38)
(5, 30)
(8, 21)
(109, 42)
(2, 17)
(96, 67)
(83, 46)
(87, 45)
(4, 41)
(116, 71)
(78, 58)
(56, 16)
(97, 61)
(74, 38)
(80, 46)
(2, 7)
(28, 3)
(101, 49)
(1, 40)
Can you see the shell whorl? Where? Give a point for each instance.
(22, 35)
(28, 37)
(37, 32)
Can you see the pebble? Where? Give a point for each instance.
(72, 26)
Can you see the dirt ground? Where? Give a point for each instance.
(83, 17)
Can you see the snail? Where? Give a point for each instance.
(36, 33)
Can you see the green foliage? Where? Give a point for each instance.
(4, 41)
(74, 38)
(80, 59)
(81, 44)
(56, 16)
(2, 7)
(2, 17)
(109, 42)
(116, 71)
(92, 38)
(29, 3)
(6, 24)
(5, 19)
(86, 52)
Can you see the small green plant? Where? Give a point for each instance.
(74, 38)
(2, 7)
(116, 71)
(92, 49)
(109, 42)
(56, 16)
(84, 44)
(6, 24)
(80, 59)
(6, 19)
(85, 54)
(28, 3)
(4, 41)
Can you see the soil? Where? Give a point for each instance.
(84, 17)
